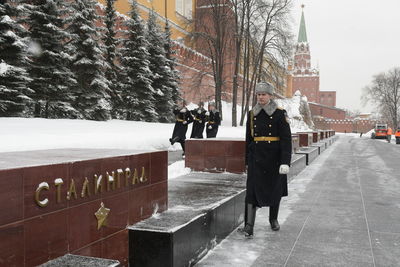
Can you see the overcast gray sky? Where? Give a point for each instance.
(350, 41)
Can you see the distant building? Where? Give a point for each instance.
(304, 77)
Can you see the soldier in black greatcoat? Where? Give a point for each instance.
(213, 120)
(268, 156)
(199, 121)
(183, 118)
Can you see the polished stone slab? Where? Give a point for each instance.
(203, 209)
(299, 162)
(321, 146)
(70, 260)
(310, 152)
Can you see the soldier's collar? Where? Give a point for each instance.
(268, 108)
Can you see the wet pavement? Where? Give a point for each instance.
(342, 210)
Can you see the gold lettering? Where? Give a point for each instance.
(127, 176)
(119, 174)
(85, 188)
(44, 202)
(58, 182)
(72, 190)
(98, 184)
(110, 181)
(135, 178)
(143, 178)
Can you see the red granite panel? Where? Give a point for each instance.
(159, 197)
(215, 164)
(119, 213)
(321, 135)
(159, 166)
(234, 148)
(11, 196)
(215, 148)
(46, 237)
(33, 177)
(315, 137)
(92, 250)
(112, 166)
(196, 163)
(85, 171)
(303, 139)
(139, 204)
(194, 147)
(235, 164)
(141, 163)
(116, 247)
(83, 225)
(12, 245)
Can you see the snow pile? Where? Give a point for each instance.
(3, 68)
(177, 169)
(298, 112)
(20, 134)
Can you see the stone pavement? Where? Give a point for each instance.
(342, 210)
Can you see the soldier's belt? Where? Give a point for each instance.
(266, 138)
(211, 122)
(197, 119)
(180, 120)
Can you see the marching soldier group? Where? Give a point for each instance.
(201, 119)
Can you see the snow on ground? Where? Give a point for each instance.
(22, 134)
(177, 169)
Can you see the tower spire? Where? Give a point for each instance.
(302, 31)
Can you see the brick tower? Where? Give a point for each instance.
(305, 78)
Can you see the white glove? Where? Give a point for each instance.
(284, 169)
(207, 113)
(183, 110)
(210, 127)
(184, 122)
(199, 111)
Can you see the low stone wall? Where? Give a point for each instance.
(77, 201)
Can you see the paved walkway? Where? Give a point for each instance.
(342, 210)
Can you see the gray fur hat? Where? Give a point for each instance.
(264, 87)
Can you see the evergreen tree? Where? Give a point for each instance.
(110, 43)
(13, 76)
(51, 78)
(160, 69)
(173, 74)
(88, 64)
(136, 76)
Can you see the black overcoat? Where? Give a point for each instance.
(180, 128)
(265, 186)
(213, 122)
(199, 121)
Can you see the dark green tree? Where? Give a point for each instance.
(88, 64)
(13, 76)
(52, 80)
(159, 66)
(137, 92)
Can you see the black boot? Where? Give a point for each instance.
(250, 218)
(273, 217)
(174, 140)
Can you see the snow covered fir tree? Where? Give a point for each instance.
(88, 64)
(137, 91)
(74, 67)
(13, 76)
(162, 74)
(51, 79)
